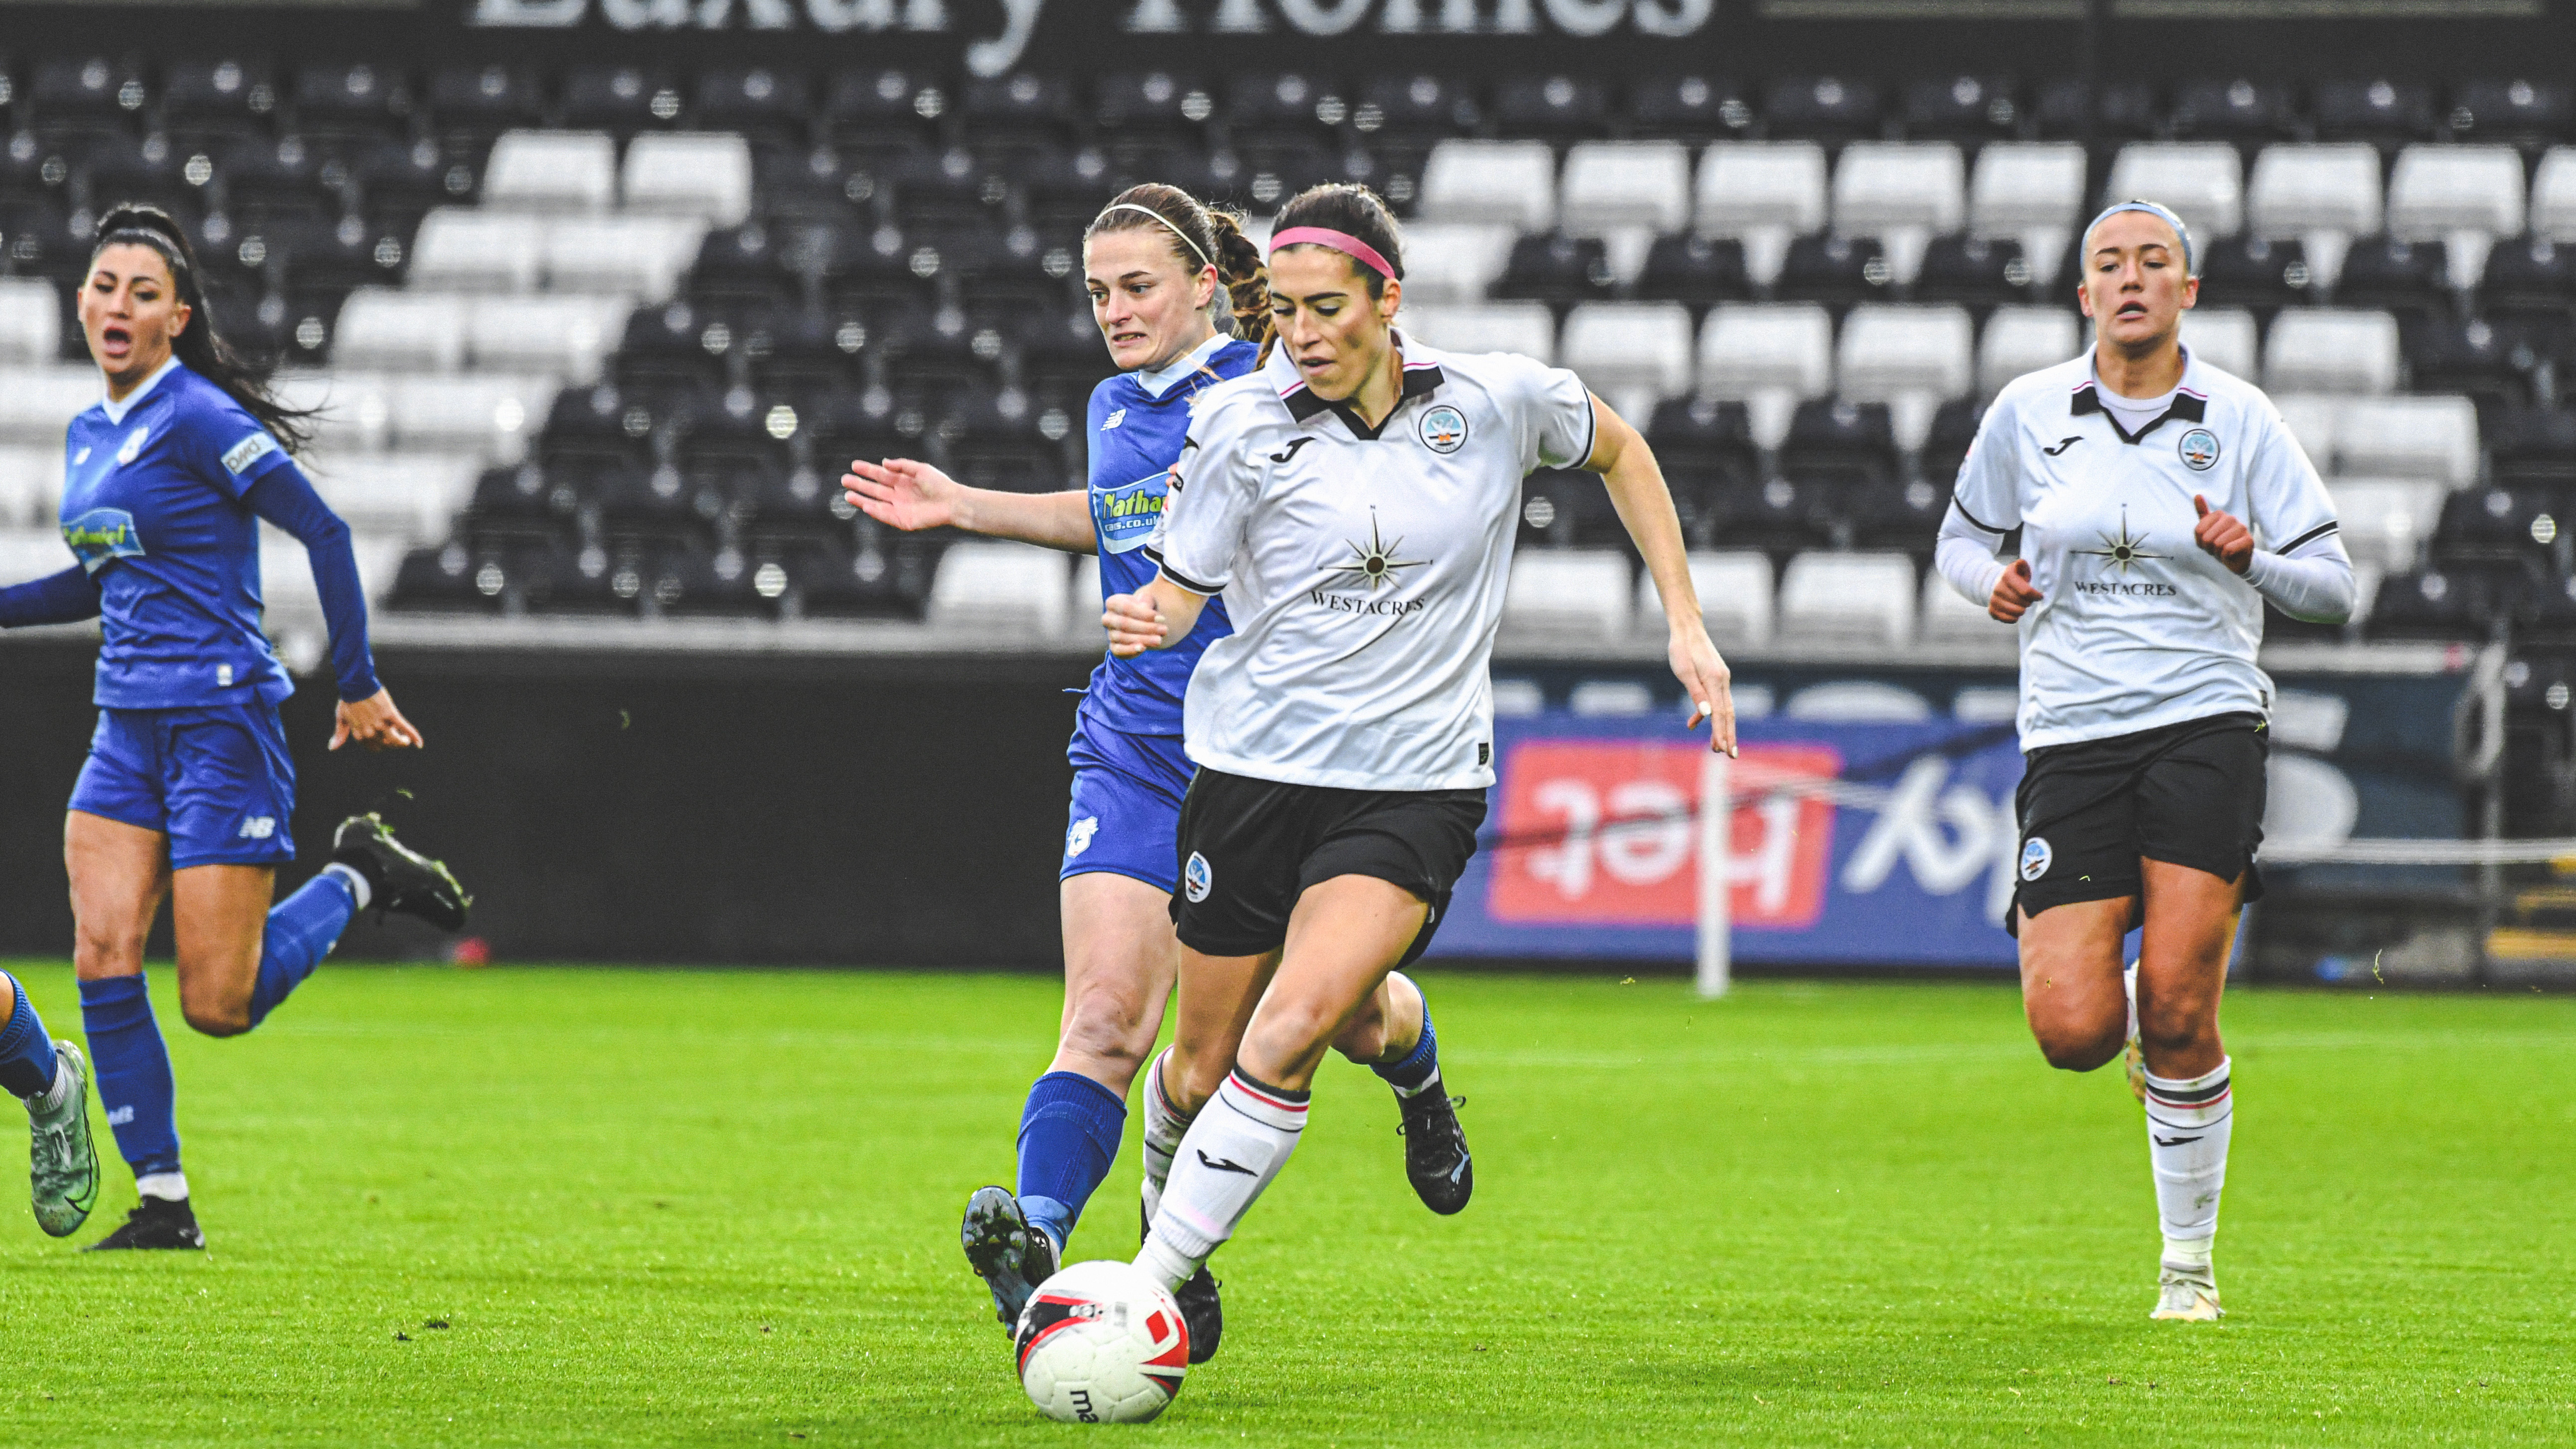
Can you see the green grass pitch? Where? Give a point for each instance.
(577, 1207)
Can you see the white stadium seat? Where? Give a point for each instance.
(1770, 355)
(471, 249)
(2019, 340)
(2434, 438)
(286, 575)
(1734, 591)
(2325, 195)
(1448, 261)
(2203, 182)
(552, 171)
(1621, 348)
(2313, 419)
(566, 336)
(1613, 184)
(1764, 193)
(1848, 598)
(2463, 196)
(490, 415)
(38, 403)
(2331, 350)
(2033, 192)
(409, 497)
(1949, 618)
(2386, 522)
(1891, 351)
(1510, 182)
(32, 553)
(1902, 193)
(701, 175)
(31, 320)
(637, 256)
(2553, 196)
(31, 486)
(2223, 337)
(1524, 327)
(1008, 588)
(1082, 602)
(1574, 594)
(401, 330)
(1858, 701)
(353, 408)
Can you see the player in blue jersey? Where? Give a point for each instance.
(188, 787)
(1161, 270)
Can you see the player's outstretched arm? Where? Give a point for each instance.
(62, 598)
(910, 495)
(1156, 616)
(1627, 467)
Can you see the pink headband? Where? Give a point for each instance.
(1340, 241)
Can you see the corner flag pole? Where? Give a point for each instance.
(1716, 902)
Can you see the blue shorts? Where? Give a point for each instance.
(216, 780)
(1126, 810)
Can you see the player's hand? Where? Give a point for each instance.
(375, 723)
(901, 493)
(1707, 683)
(1134, 624)
(2221, 536)
(2014, 593)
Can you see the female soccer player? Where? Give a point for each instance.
(2159, 502)
(188, 787)
(1160, 268)
(1355, 501)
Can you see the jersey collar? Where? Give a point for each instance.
(1420, 380)
(1157, 381)
(115, 410)
(2190, 403)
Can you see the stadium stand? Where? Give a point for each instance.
(597, 340)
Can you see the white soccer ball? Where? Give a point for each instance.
(1102, 1343)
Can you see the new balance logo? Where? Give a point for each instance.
(1286, 453)
(2062, 445)
(1113, 420)
(259, 827)
(1224, 1164)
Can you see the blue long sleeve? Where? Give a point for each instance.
(283, 497)
(62, 598)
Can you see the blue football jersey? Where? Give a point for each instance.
(152, 507)
(1135, 437)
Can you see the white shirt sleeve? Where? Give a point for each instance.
(2299, 560)
(1985, 507)
(1208, 508)
(1556, 419)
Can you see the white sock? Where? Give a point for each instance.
(1230, 1154)
(2187, 1130)
(2129, 984)
(52, 1098)
(168, 1186)
(1164, 1128)
(349, 875)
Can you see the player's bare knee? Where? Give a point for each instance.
(1107, 1026)
(2075, 1041)
(216, 1018)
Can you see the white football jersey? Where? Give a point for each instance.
(2137, 626)
(1364, 570)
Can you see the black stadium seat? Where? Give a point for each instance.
(85, 95)
(220, 97)
(2247, 112)
(1835, 270)
(1966, 108)
(1289, 110)
(1695, 270)
(2124, 111)
(1823, 108)
(620, 98)
(2530, 114)
(1018, 112)
(1414, 110)
(1975, 270)
(479, 102)
(350, 98)
(2389, 113)
(1551, 108)
(2255, 272)
(1694, 109)
(2411, 278)
(1835, 441)
(882, 110)
(1556, 269)
(766, 103)
(1152, 107)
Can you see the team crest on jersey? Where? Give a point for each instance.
(1197, 879)
(2199, 450)
(134, 442)
(248, 451)
(1078, 839)
(1443, 429)
(2035, 858)
(102, 534)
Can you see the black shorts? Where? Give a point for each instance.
(1249, 848)
(2188, 794)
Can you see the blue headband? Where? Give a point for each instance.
(2190, 255)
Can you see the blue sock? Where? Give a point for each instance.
(301, 931)
(1068, 1137)
(26, 1052)
(133, 1067)
(1421, 1066)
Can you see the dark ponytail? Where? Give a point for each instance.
(1202, 237)
(198, 345)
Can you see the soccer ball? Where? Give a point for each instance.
(1101, 1343)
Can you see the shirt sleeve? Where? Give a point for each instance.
(2292, 510)
(1988, 492)
(1556, 419)
(231, 449)
(285, 498)
(1208, 510)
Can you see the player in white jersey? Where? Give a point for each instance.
(2157, 502)
(1354, 501)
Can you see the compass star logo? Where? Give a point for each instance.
(2122, 548)
(1375, 561)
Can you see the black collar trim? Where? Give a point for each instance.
(2191, 407)
(1418, 382)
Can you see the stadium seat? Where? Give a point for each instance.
(1265, 111)
(1865, 599)
(1557, 269)
(2434, 438)
(702, 175)
(2474, 358)
(1771, 355)
(479, 102)
(355, 97)
(2465, 196)
(876, 109)
(620, 98)
(1840, 443)
(31, 321)
(2524, 114)
(1566, 508)
(1891, 352)
(1152, 106)
(1629, 350)
(1578, 595)
(401, 330)
(218, 96)
(2240, 110)
(1734, 589)
(1946, 443)
(1523, 327)
(1706, 450)
(552, 171)
(1003, 588)
(759, 100)
(2533, 445)
(1449, 262)
(2200, 181)
(1949, 618)
(1510, 183)
(1553, 108)
(1901, 193)
(640, 257)
(2386, 522)
(1978, 272)
(1830, 108)
(2316, 421)
(2256, 272)
(1836, 270)
(1762, 193)
(1693, 109)
(2017, 340)
(408, 497)
(2409, 278)
(487, 415)
(2380, 110)
(2223, 337)
(1694, 270)
(2433, 604)
(1613, 184)
(2032, 192)
(2323, 195)
(2553, 196)
(1965, 108)
(567, 336)
(2331, 350)
(2068, 109)
(472, 249)
(31, 489)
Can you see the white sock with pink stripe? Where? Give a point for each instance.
(1238, 1144)
(2187, 1130)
